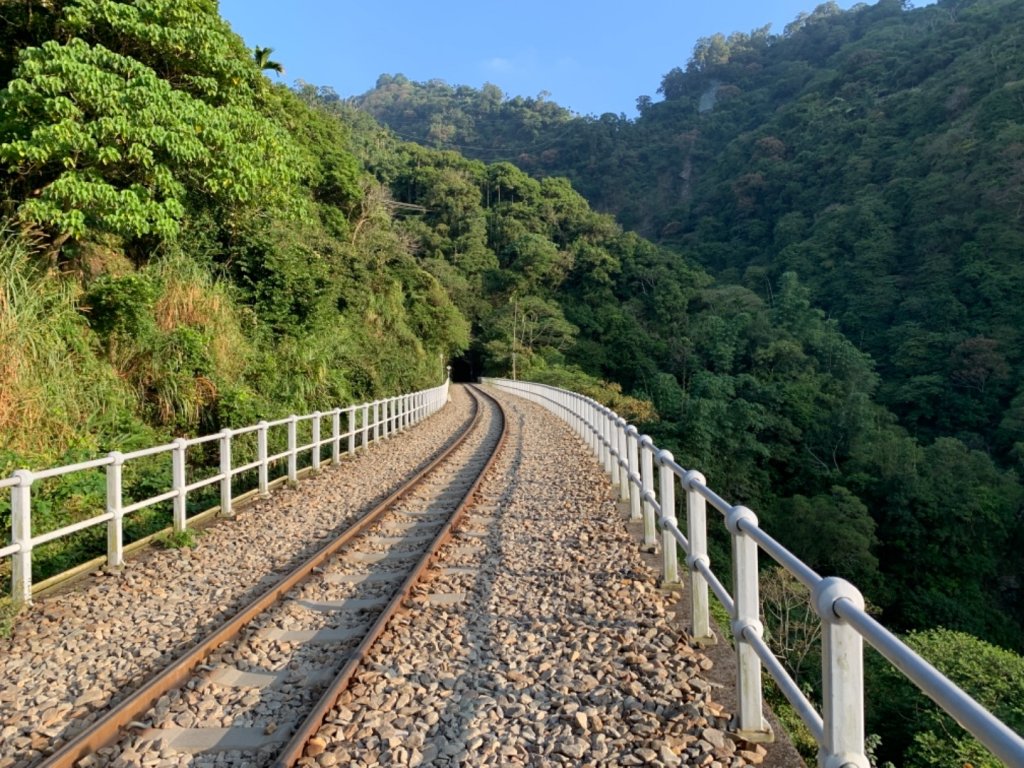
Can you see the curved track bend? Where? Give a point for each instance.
(315, 626)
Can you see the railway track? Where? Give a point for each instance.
(255, 691)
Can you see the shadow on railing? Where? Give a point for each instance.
(364, 423)
(629, 459)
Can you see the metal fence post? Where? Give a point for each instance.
(842, 677)
(667, 496)
(336, 436)
(647, 478)
(115, 526)
(633, 470)
(225, 471)
(622, 463)
(749, 723)
(594, 423)
(350, 422)
(263, 470)
(613, 447)
(607, 431)
(21, 534)
(376, 420)
(293, 470)
(366, 426)
(314, 455)
(178, 484)
(697, 534)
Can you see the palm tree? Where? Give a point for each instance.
(262, 58)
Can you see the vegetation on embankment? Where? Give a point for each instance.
(186, 247)
(807, 171)
(191, 247)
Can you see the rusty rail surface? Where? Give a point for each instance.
(109, 729)
(307, 729)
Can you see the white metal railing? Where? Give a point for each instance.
(364, 423)
(630, 458)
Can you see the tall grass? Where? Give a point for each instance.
(173, 334)
(59, 401)
(55, 394)
(189, 296)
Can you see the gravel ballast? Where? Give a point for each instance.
(539, 638)
(79, 652)
(562, 652)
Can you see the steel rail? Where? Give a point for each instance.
(106, 730)
(294, 749)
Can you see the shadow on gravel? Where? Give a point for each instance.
(481, 632)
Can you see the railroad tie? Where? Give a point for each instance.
(194, 740)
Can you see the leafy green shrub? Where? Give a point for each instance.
(179, 539)
(915, 732)
(632, 409)
(140, 145)
(120, 306)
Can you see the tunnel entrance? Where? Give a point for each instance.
(468, 368)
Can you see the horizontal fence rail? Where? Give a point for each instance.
(648, 479)
(363, 423)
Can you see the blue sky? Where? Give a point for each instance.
(592, 57)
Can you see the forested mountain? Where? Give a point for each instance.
(189, 246)
(877, 153)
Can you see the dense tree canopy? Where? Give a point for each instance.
(230, 255)
(812, 292)
(875, 152)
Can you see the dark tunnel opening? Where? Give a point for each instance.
(467, 368)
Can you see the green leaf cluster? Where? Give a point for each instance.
(912, 725)
(107, 145)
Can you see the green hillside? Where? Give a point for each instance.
(188, 245)
(876, 153)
